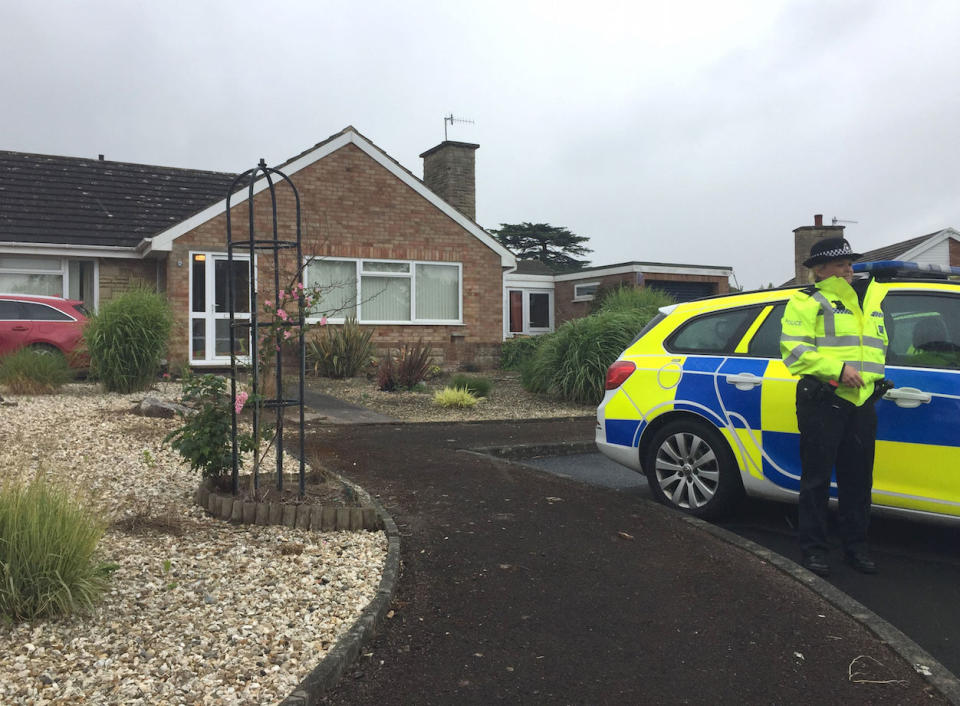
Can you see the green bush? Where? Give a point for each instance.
(516, 351)
(205, 439)
(47, 545)
(645, 301)
(340, 351)
(454, 397)
(127, 340)
(572, 362)
(32, 372)
(406, 370)
(478, 387)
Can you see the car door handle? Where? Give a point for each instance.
(744, 381)
(908, 397)
(19, 328)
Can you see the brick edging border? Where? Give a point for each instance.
(325, 675)
(319, 518)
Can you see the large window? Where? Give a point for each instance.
(387, 291)
(51, 276)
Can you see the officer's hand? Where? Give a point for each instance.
(850, 377)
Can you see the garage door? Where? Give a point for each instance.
(684, 291)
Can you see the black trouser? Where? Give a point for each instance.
(834, 433)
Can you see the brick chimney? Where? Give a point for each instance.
(449, 171)
(803, 238)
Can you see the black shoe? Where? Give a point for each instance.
(817, 563)
(861, 562)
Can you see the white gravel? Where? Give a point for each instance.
(221, 614)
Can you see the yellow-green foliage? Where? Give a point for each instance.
(454, 397)
(48, 542)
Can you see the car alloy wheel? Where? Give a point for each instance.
(689, 467)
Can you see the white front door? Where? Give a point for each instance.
(210, 306)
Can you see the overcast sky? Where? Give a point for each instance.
(688, 132)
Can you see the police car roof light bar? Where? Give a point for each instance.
(901, 268)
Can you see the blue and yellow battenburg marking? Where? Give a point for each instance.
(918, 449)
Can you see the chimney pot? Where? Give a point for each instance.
(818, 220)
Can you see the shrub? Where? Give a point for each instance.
(127, 340)
(47, 546)
(403, 372)
(32, 372)
(478, 387)
(623, 299)
(573, 361)
(340, 351)
(454, 397)
(516, 351)
(205, 439)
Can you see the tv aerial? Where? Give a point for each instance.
(450, 120)
(836, 220)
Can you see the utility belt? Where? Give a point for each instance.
(812, 389)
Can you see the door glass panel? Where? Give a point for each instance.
(539, 310)
(222, 329)
(712, 333)
(198, 340)
(199, 293)
(766, 341)
(241, 286)
(516, 312)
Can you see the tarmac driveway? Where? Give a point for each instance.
(522, 587)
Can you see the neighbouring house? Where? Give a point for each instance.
(398, 253)
(537, 301)
(939, 248)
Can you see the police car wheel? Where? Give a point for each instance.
(689, 467)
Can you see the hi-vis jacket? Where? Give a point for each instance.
(824, 327)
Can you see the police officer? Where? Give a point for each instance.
(834, 338)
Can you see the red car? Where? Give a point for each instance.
(48, 324)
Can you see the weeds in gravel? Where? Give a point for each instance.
(454, 397)
(30, 372)
(48, 540)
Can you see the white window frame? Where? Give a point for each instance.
(577, 297)
(210, 256)
(410, 275)
(63, 271)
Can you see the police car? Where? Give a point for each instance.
(702, 403)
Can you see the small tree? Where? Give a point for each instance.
(554, 246)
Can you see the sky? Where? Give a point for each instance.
(686, 132)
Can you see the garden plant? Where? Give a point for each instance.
(127, 340)
(31, 372)
(48, 542)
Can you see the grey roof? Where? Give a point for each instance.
(892, 252)
(75, 201)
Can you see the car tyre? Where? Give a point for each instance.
(47, 349)
(689, 467)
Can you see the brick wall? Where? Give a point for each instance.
(954, 252)
(353, 207)
(449, 171)
(118, 276)
(566, 308)
(803, 239)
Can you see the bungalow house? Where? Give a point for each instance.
(536, 300)
(403, 254)
(941, 247)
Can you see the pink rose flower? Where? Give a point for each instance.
(282, 314)
(240, 400)
(323, 320)
(268, 304)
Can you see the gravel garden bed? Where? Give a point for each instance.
(199, 611)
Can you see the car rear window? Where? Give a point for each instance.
(82, 310)
(718, 332)
(10, 311)
(42, 312)
(766, 341)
